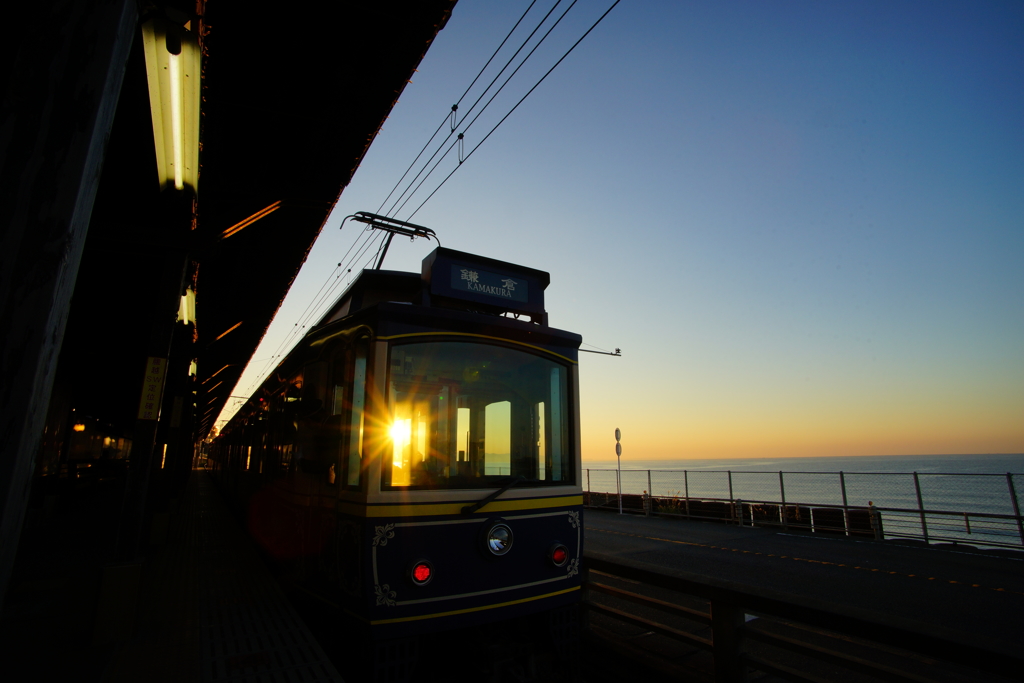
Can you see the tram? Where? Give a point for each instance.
(415, 461)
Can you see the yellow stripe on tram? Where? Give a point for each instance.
(407, 510)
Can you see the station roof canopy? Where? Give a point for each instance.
(292, 99)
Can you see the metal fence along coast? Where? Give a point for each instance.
(975, 509)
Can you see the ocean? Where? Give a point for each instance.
(956, 491)
(958, 464)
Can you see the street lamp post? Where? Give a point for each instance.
(618, 471)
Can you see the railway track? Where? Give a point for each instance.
(697, 631)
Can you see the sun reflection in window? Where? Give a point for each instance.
(401, 439)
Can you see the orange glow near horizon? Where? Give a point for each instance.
(756, 424)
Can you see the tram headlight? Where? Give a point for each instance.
(498, 539)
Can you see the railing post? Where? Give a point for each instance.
(686, 487)
(650, 494)
(782, 508)
(618, 484)
(920, 508)
(732, 501)
(726, 637)
(846, 506)
(588, 480)
(584, 598)
(1016, 507)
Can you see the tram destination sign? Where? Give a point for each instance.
(469, 279)
(489, 283)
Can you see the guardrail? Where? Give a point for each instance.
(985, 515)
(730, 631)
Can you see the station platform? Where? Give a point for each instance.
(204, 606)
(210, 610)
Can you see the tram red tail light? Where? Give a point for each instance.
(559, 555)
(422, 572)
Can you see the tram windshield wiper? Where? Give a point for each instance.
(470, 509)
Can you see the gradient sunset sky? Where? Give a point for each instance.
(802, 222)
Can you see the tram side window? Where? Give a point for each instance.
(283, 429)
(347, 403)
(466, 415)
(314, 387)
(318, 429)
(558, 447)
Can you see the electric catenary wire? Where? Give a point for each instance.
(315, 311)
(524, 43)
(514, 72)
(452, 114)
(318, 300)
(314, 307)
(455, 107)
(592, 27)
(486, 90)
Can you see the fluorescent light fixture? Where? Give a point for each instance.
(173, 66)
(187, 307)
(225, 332)
(250, 220)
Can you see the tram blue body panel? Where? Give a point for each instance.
(467, 586)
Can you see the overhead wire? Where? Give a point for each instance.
(344, 267)
(316, 296)
(494, 80)
(480, 97)
(436, 164)
(548, 73)
(312, 308)
(314, 311)
(455, 107)
(496, 92)
(321, 296)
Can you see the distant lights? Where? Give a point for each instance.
(79, 427)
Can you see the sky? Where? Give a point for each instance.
(802, 222)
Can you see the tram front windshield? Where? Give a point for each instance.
(465, 415)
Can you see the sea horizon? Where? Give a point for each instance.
(958, 463)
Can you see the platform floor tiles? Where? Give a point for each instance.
(210, 610)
